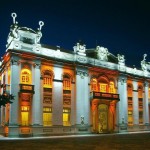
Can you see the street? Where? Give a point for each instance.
(124, 141)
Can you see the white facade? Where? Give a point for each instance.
(64, 92)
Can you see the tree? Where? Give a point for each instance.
(6, 99)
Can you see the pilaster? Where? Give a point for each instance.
(14, 89)
(135, 103)
(122, 104)
(145, 103)
(36, 102)
(57, 102)
(82, 97)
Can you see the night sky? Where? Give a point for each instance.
(122, 26)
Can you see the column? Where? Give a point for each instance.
(57, 101)
(123, 103)
(145, 104)
(135, 103)
(82, 97)
(14, 89)
(36, 102)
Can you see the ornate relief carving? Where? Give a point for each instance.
(37, 48)
(82, 73)
(81, 59)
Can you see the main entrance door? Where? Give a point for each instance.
(102, 118)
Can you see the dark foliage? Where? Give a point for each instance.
(6, 99)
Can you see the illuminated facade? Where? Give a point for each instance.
(69, 92)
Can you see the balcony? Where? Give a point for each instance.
(26, 88)
(104, 96)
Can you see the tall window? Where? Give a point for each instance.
(130, 105)
(66, 117)
(140, 99)
(26, 76)
(24, 115)
(66, 100)
(93, 85)
(47, 79)
(47, 116)
(66, 82)
(8, 77)
(112, 87)
(47, 98)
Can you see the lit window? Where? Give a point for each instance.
(47, 79)
(66, 82)
(94, 85)
(66, 117)
(112, 88)
(130, 105)
(9, 77)
(103, 87)
(140, 99)
(47, 116)
(25, 76)
(25, 115)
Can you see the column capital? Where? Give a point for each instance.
(37, 66)
(146, 84)
(122, 79)
(82, 72)
(15, 62)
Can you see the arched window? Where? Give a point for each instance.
(66, 82)
(47, 79)
(26, 76)
(93, 84)
(112, 87)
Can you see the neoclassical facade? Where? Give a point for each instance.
(69, 92)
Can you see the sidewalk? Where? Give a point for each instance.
(72, 136)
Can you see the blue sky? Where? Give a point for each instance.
(122, 26)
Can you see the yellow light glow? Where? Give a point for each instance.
(25, 76)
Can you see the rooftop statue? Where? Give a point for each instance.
(80, 49)
(143, 63)
(121, 59)
(13, 34)
(39, 33)
(102, 53)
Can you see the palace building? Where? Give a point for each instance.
(70, 92)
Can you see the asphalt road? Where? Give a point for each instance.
(129, 141)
